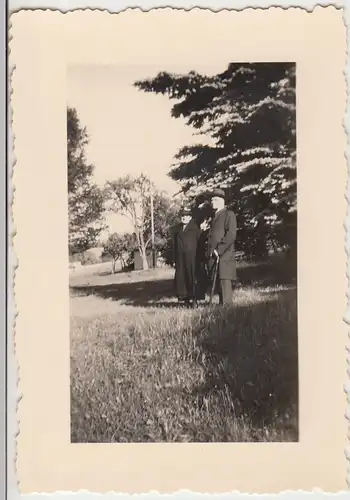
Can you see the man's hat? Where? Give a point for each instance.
(216, 192)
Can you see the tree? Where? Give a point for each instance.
(116, 246)
(131, 197)
(165, 215)
(85, 198)
(248, 114)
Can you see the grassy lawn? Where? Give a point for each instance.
(145, 370)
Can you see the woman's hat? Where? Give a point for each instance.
(185, 211)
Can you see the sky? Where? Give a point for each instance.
(131, 132)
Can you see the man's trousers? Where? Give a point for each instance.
(225, 292)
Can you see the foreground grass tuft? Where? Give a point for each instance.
(148, 374)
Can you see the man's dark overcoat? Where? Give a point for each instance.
(222, 237)
(185, 245)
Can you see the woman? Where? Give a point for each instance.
(185, 244)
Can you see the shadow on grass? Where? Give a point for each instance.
(160, 292)
(248, 389)
(279, 270)
(252, 356)
(139, 294)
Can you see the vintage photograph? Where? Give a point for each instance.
(182, 197)
(182, 323)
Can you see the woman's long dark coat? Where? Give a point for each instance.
(202, 282)
(185, 245)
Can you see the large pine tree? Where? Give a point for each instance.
(249, 114)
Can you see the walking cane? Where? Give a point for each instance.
(214, 280)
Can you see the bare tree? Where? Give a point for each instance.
(130, 196)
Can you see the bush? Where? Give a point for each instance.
(89, 258)
(76, 257)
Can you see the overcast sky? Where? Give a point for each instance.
(130, 131)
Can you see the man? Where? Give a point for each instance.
(185, 243)
(221, 244)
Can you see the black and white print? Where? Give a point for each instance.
(182, 204)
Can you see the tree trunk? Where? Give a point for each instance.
(143, 251)
(144, 259)
(113, 266)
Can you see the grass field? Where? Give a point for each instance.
(145, 370)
